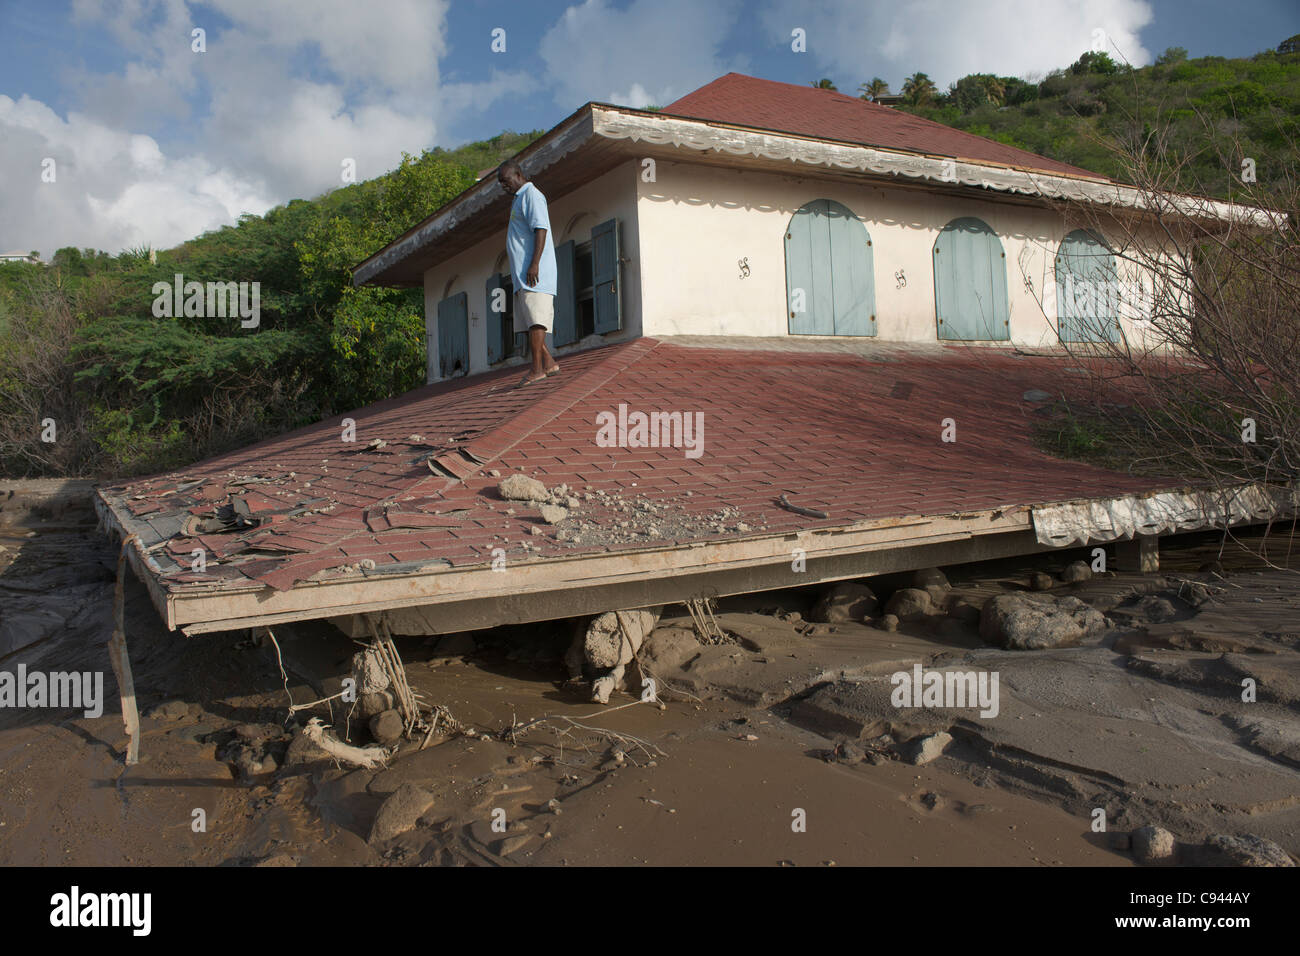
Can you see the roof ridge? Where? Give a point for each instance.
(491, 444)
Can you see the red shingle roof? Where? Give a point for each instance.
(741, 100)
(856, 437)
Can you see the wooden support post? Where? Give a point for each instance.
(122, 662)
(1140, 555)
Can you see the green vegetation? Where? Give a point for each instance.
(130, 392)
(1211, 111)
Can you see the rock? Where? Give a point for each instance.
(254, 733)
(909, 603)
(927, 577)
(455, 645)
(400, 812)
(938, 597)
(848, 751)
(1224, 850)
(963, 610)
(522, 488)
(387, 728)
(1075, 572)
(1152, 844)
(303, 750)
(845, 601)
(511, 844)
(171, 710)
(922, 750)
(1021, 621)
(553, 514)
(1036, 395)
(669, 647)
(932, 800)
(370, 705)
(1041, 582)
(889, 622)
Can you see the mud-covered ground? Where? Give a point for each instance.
(778, 747)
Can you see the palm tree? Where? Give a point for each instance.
(874, 90)
(919, 89)
(823, 84)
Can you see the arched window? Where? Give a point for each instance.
(970, 283)
(830, 283)
(1087, 289)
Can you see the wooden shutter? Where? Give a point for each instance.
(605, 276)
(453, 336)
(970, 283)
(1087, 290)
(565, 331)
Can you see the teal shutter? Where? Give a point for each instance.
(1087, 290)
(453, 336)
(495, 322)
(565, 329)
(605, 278)
(829, 273)
(970, 283)
(853, 284)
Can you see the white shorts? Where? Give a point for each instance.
(534, 308)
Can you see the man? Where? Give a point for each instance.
(532, 266)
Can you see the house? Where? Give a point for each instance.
(762, 209)
(759, 260)
(19, 257)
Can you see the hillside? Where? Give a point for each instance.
(1213, 112)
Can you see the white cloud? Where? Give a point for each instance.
(948, 39)
(284, 93)
(653, 51)
(112, 189)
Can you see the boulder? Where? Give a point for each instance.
(522, 488)
(454, 645)
(400, 812)
(889, 622)
(845, 601)
(172, 710)
(1224, 850)
(922, 750)
(1022, 621)
(669, 647)
(930, 577)
(1041, 582)
(1075, 572)
(387, 728)
(910, 603)
(1152, 844)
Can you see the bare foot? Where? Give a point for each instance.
(554, 369)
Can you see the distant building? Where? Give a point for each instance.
(19, 257)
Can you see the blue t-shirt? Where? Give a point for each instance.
(528, 212)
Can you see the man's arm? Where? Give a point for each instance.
(539, 244)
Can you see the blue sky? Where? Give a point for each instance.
(155, 142)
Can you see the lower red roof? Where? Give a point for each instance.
(855, 437)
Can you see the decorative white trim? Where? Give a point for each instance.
(1087, 522)
(704, 136)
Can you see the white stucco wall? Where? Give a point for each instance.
(572, 217)
(697, 222)
(684, 233)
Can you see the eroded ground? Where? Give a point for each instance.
(785, 722)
